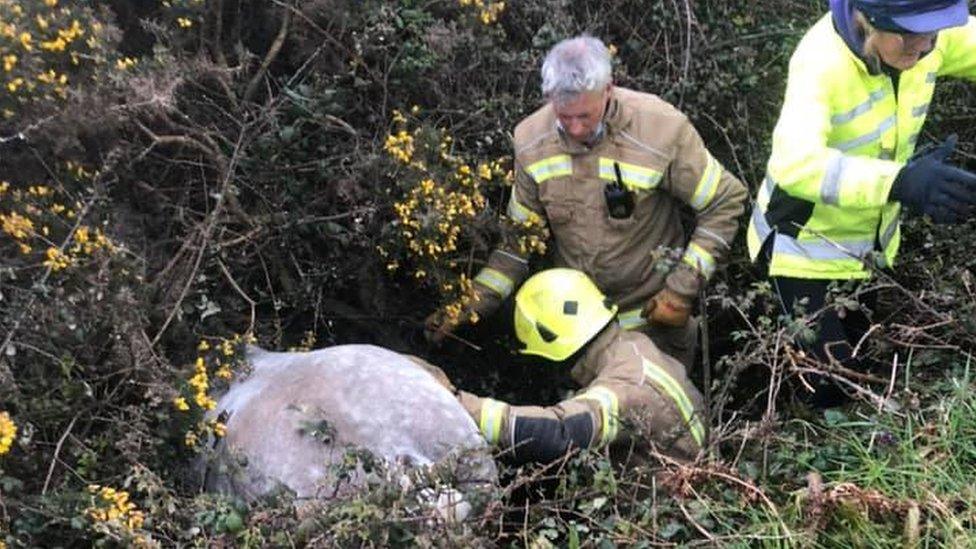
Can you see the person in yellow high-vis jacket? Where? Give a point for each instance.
(608, 170)
(843, 165)
(630, 387)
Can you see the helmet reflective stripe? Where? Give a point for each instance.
(609, 411)
(492, 415)
(632, 319)
(699, 259)
(666, 383)
(501, 284)
(705, 190)
(547, 168)
(634, 176)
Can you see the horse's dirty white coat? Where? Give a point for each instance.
(296, 416)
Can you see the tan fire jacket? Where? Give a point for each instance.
(663, 160)
(630, 387)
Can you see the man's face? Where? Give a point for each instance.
(902, 51)
(581, 116)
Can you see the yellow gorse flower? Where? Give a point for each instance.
(201, 382)
(8, 432)
(111, 505)
(125, 63)
(16, 225)
(488, 12)
(56, 260)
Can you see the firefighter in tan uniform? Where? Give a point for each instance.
(630, 386)
(609, 169)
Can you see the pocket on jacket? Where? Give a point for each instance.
(560, 213)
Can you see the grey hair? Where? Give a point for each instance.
(574, 66)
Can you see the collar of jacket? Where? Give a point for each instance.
(599, 344)
(616, 118)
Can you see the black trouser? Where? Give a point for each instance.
(837, 336)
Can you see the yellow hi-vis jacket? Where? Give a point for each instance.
(842, 136)
(662, 159)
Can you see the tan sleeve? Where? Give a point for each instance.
(718, 199)
(656, 396)
(539, 433)
(508, 263)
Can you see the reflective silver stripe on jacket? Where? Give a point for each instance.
(817, 250)
(844, 117)
(498, 282)
(833, 175)
(632, 319)
(547, 168)
(868, 137)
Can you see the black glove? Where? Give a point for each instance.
(927, 185)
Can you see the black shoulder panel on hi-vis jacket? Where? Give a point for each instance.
(786, 213)
(543, 440)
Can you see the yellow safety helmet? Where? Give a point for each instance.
(558, 311)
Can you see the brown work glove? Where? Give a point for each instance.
(438, 325)
(667, 308)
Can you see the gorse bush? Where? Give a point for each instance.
(47, 49)
(442, 215)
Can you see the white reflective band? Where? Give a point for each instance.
(912, 139)
(499, 283)
(833, 178)
(889, 233)
(702, 231)
(609, 410)
(633, 176)
(830, 186)
(705, 190)
(818, 250)
(699, 259)
(672, 389)
(868, 137)
(765, 191)
(492, 414)
(844, 117)
(920, 110)
(518, 212)
(930, 78)
(547, 168)
(632, 319)
(510, 255)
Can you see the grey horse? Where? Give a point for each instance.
(293, 421)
